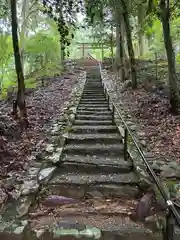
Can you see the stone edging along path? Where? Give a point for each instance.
(167, 172)
(13, 211)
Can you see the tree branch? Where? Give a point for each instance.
(173, 7)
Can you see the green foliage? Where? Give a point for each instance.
(41, 56)
(63, 12)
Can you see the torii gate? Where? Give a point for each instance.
(89, 45)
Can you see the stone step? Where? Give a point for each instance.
(89, 219)
(90, 91)
(109, 149)
(95, 109)
(102, 99)
(93, 89)
(81, 227)
(101, 105)
(93, 122)
(95, 102)
(94, 96)
(95, 164)
(107, 184)
(89, 113)
(86, 100)
(89, 116)
(92, 85)
(93, 138)
(94, 129)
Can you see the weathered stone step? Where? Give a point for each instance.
(103, 180)
(94, 129)
(92, 122)
(92, 101)
(79, 226)
(90, 91)
(96, 102)
(93, 89)
(94, 96)
(94, 138)
(89, 113)
(70, 166)
(101, 105)
(110, 149)
(96, 93)
(93, 117)
(95, 164)
(91, 219)
(93, 86)
(95, 109)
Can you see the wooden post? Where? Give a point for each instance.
(125, 144)
(83, 54)
(102, 51)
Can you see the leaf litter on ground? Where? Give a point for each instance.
(44, 106)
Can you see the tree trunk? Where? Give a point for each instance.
(119, 61)
(140, 32)
(112, 45)
(25, 12)
(129, 43)
(174, 93)
(123, 30)
(20, 101)
(117, 58)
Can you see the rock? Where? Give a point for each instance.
(91, 233)
(154, 222)
(95, 194)
(133, 127)
(54, 201)
(32, 172)
(140, 135)
(143, 143)
(29, 187)
(45, 174)
(172, 170)
(157, 165)
(23, 208)
(59, 233)
(176, 191)
(73, 109)
(126, 84)
(55, 129)
(50, 148)
(144, 206)
(65, 135)
(55, 158)
(3, 196)
(72, 117)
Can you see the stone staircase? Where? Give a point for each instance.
(93, 171)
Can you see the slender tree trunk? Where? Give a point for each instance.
(129, 43)
(20, 101)
(140, 32)
(117, 58)
(123, 30)
(112, 45)
(25, 12)
(174, 93)
(102, 51)
(122, 72)
(119, 61)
